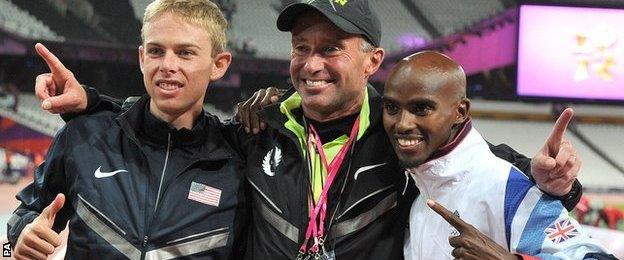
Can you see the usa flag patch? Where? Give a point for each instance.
(561, 231)
(204, 194)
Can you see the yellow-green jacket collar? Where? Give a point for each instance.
(294, 101)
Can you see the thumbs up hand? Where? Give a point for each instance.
(37, 239)
(471, 243)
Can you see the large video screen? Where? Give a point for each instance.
(571, 53)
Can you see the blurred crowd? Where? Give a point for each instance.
(15, 166)
(594, 212)
(9, 96)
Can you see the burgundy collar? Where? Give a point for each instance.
(448, 147)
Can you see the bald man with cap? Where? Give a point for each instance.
(426, 116)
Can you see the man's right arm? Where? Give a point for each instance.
(60, 92)
(96, 102)
(33, 228)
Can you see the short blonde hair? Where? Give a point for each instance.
(201, 12)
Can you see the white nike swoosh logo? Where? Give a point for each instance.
(98, 174)
(366, 168)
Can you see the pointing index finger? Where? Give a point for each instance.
(451, 218)
(55, 65)
(556, 136)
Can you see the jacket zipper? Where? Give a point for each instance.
(145, 229)
(426, 218)
(304, 218)
(162, 176)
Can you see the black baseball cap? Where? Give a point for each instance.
(352, 16)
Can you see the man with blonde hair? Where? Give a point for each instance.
(157, 181)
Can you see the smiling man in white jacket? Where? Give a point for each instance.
(426, 116)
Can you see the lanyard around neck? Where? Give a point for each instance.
(318, 212)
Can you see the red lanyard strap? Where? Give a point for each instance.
(316, 229)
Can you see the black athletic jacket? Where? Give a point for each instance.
(137, 188)
(368, 219)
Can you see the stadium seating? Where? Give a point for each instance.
(609, 138)
(29, 113)
(528, 136)
(138, 6)
(256, 20)
(110, 16)
(396, 24)
(18, 21)
(69, 26)
(448, 16)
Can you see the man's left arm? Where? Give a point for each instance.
(542, 229)
(523, 163)
(555, 166)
